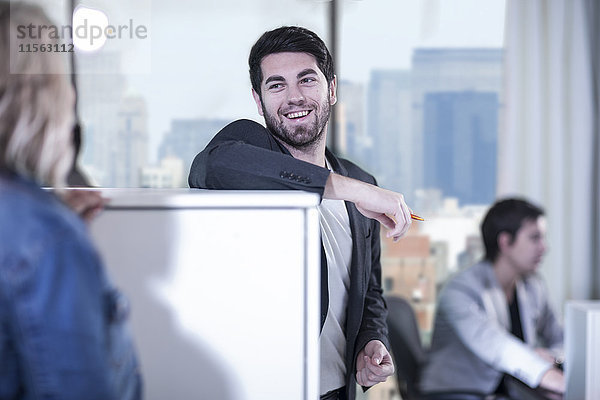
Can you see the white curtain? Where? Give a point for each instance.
(547, 146)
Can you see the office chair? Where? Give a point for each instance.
(409, 354)
(407, 349)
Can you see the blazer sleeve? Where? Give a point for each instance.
(245, 156)
(463, 310)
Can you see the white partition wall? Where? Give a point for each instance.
(582, 350)
(224, 290)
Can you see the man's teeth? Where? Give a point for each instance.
(298, 114)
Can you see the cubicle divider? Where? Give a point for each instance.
(223, 286)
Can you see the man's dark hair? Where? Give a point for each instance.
(288, 39)
(505, 216)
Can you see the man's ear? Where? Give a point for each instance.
(258, 102)
(333, 91)
(504, 241)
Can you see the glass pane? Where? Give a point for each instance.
(420, 98)
(419, 106)
(60, 16)
(142, 126)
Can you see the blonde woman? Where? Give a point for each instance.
(62, 324)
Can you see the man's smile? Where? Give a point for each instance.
(297, 114)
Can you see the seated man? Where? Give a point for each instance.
(493, 319)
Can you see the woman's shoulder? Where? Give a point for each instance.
(34, 218)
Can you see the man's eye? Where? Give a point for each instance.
(308, 80)
(275, 86)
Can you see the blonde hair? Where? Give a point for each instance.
(36, 101)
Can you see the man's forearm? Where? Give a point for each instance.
(235, 165)
(340, 187)
(374, 202)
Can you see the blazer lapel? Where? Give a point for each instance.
(495, 300)
(359, 232)
(324, 287)
(358, 226)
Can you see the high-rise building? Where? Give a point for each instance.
(439, 256)
(408, 271)
(130, 149)
(188, 137)
(100, 88)
(169, 174)
(389, 113)
(353, 141)
(448, 229)
(460, 144)
(457, 99)
(473, 253)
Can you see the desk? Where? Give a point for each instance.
(519, 390)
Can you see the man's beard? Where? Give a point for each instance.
(300, 137)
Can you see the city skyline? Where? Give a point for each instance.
(200, 62)
(412, 140)
(388, 126)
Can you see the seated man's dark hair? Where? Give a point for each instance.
(505, 216)
(289, 39)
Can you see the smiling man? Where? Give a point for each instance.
(494, 321)
(294, 86)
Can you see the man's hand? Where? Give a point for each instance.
(86, 203)
(374, 202)
(373, 364)
(553, 380)
(545, 354)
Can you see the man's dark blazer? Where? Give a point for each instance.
(244, 155)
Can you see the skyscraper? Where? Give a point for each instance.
(457, 104)
(353, 141)
(169, 174)
(130, 149)
(390, 129)
(188, 137)
(100, 87)
(459, 144)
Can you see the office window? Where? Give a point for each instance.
(149, 119)
(420, 102)
(419, 106)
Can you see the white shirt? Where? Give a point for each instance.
(337, 243)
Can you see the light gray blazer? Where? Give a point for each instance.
(472, 345)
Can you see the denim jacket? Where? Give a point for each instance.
(63, 328)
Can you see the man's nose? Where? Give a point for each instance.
(295, 95)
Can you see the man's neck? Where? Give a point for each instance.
(313, 157)
(314, 154)
(507, 277)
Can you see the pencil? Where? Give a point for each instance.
(416, 217)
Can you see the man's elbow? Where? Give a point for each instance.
(198, 172)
